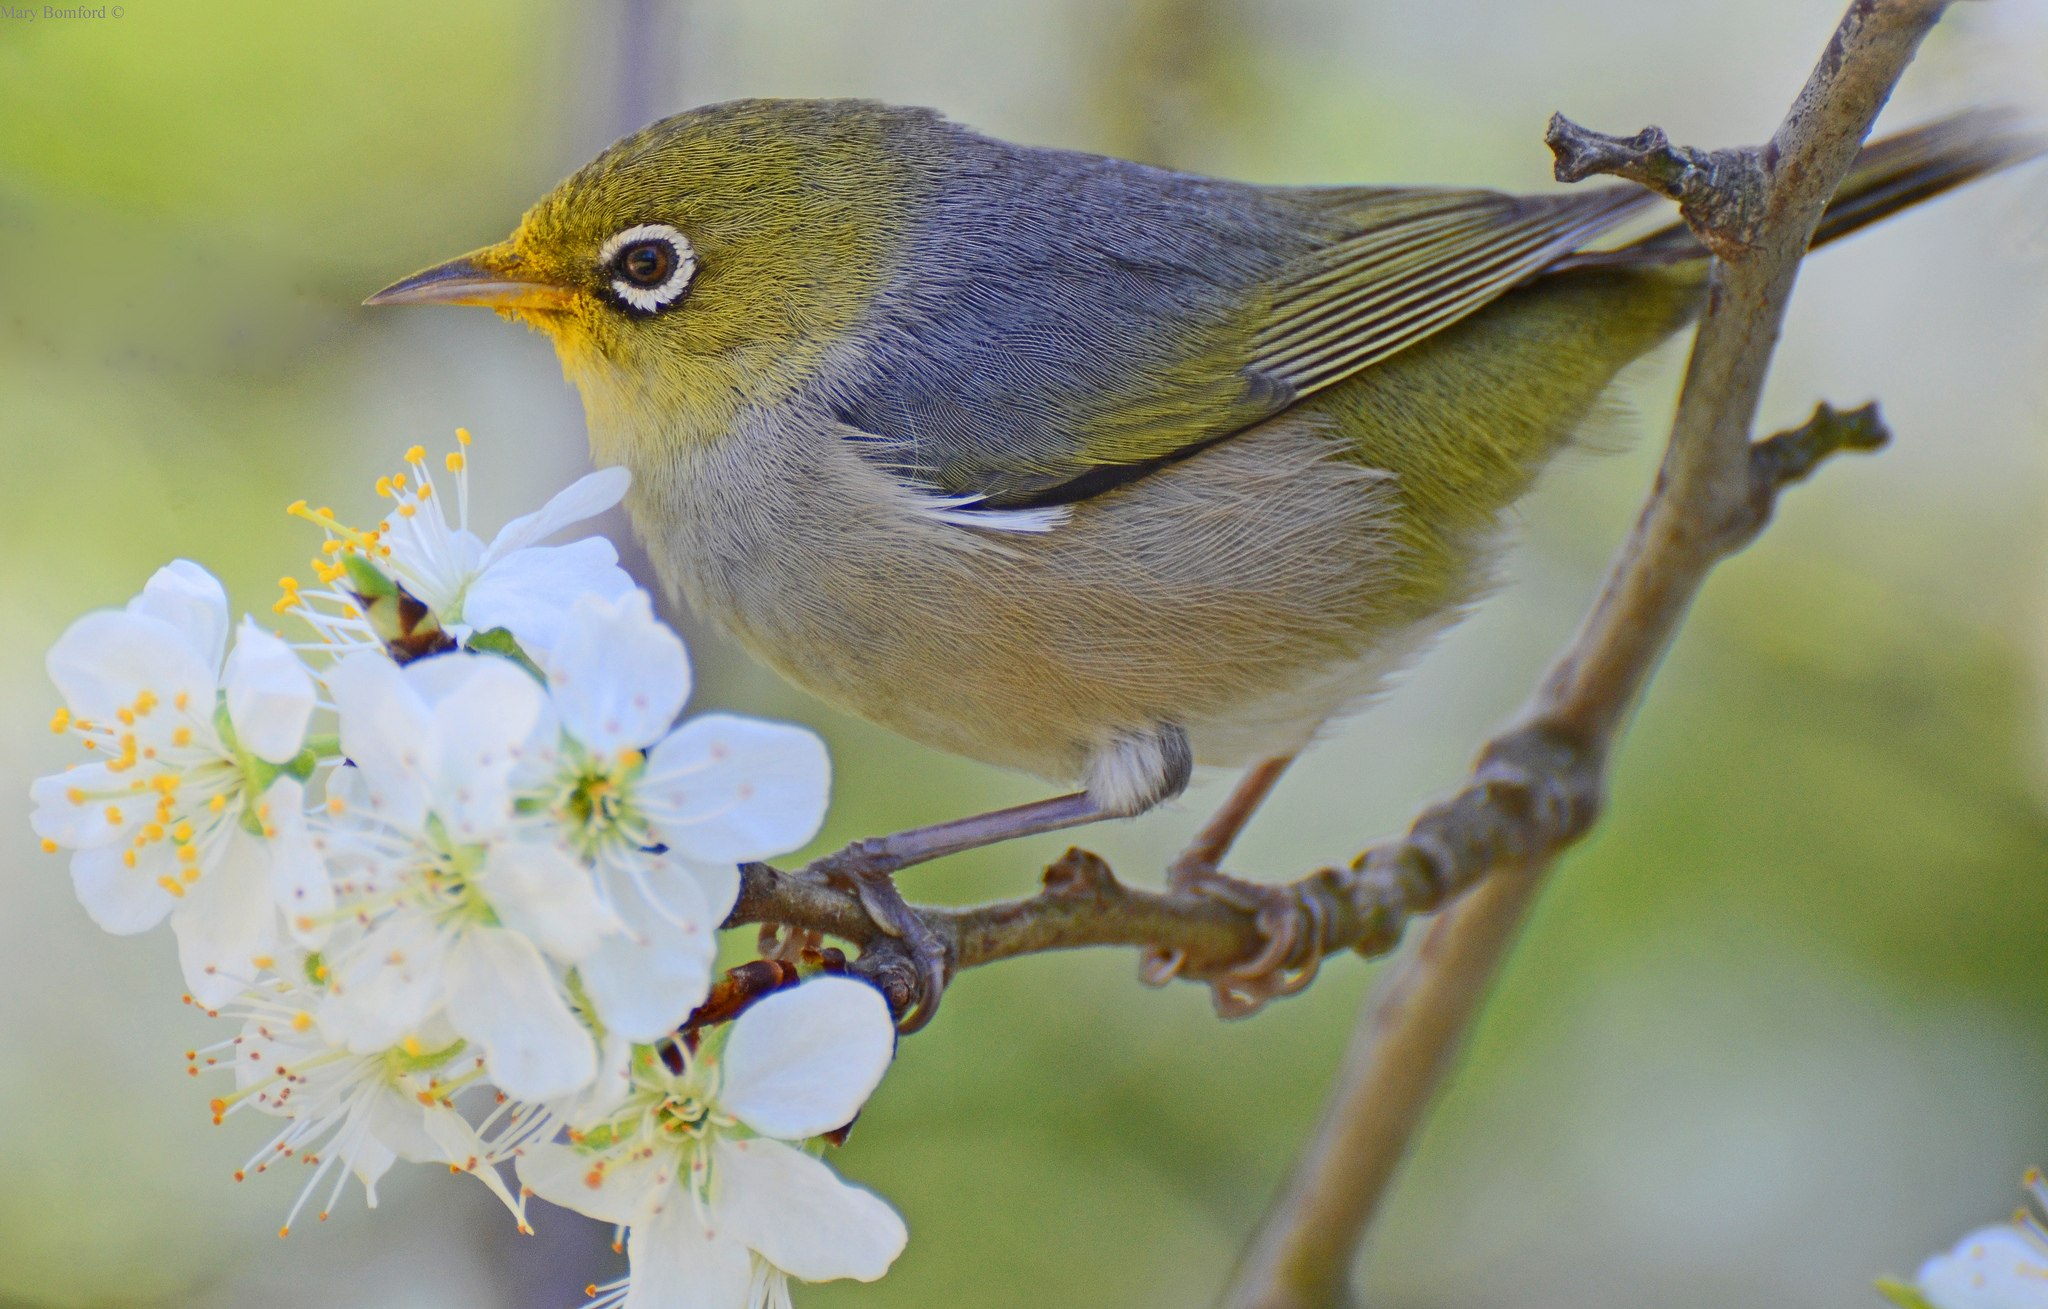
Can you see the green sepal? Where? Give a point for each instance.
(499, 641)
(1902, 1294)
(426, 1061)
(367, 580)
(586, 1009)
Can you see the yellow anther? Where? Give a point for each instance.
(126, 715)
(454, 461)
(335, 804)
(146, 701)
(411, 1045)
(165, 783)
(183, 736)
(49, 846)
(60, 720)
(628, 756)
(301, 1021)
(288, 583)
(182, 833)
(462, 436)
(90, 744)
(406, 511)
(75, 795)
(296, 508)
(330, 547)
(181, 700)
(190, 872)
(384, 487)
(128, 858)
(398, 481)
(114, 815)
(263, 961)
(218, 803)
(152, 832)
(416, 455)
(188, 853)
(173, 885)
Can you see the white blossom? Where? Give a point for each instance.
(2004, 1266)
(704, 1167)
(457, 910)
(664, 817)
(347, 1112)
(193, 808)
(513, 582)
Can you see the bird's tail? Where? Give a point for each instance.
(1889, 175)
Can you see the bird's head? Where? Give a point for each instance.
(704, 263)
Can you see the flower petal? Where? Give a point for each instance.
(481, 724)
(617, 676)
(502, 996)
(192, 601)
(799, 1215)
(537, 889)
(586, 497)
(226, 919)
(804, 1060)
(386, 729)
(628, 1183)
(88, 819)
(122, 900)
(269, 693)
(398, 1120)
(1993, 1268)
(387, 979)
(528, 592)
(298, 876)
(646, 979)
(722, 787)
(106, 660)
(679, 1263)
(719, 883)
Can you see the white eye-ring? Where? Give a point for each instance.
(651, 266)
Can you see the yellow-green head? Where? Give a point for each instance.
(705, 262)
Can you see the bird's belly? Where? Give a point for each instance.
(1243, 595)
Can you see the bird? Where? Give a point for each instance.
(1077, 466)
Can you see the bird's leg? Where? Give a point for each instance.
(882, 855)
(1284, 917)
(1204, 855)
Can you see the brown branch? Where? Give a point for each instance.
(1714, 493)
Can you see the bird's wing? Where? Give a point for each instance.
(1088, 325)
(1418, 262)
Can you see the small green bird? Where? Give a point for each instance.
(1074, 465)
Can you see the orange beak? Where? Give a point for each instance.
(488, 277)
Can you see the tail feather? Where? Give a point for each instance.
(1888, 176)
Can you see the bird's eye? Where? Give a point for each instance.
(651, 266)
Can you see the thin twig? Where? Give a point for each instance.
(1714, 493)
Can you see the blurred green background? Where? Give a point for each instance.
(1783, 1025)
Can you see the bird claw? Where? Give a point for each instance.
(1291, 923)
(920, 947)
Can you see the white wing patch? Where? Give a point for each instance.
(970, 511)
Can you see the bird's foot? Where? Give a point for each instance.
(1291, 923)
(874, 856)
(910, 966)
